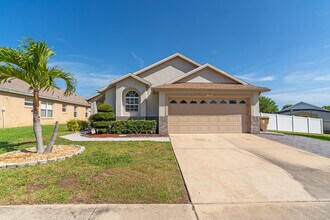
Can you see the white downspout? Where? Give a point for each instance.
(3, 117)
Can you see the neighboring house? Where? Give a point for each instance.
(308, 110)
(184, 97)
(16, 105)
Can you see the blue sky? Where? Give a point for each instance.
(282, 44)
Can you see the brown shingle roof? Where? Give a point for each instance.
(20, 87)
(217, 86)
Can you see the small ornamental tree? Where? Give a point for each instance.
(267, 105)
(30, 63)
(286, 106)
(103, 118)
(327, 107)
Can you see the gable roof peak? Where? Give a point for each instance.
(113, 82)
(165, 60)
(207, 65)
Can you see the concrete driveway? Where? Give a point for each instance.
(238, 176)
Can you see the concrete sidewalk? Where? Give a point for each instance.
(98, 212)
(78, 137)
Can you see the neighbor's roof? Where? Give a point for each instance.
(20, 87)
(218, 86)
(304, 106)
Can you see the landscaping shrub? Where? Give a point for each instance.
(83, 124)
(105, 108)
(103, 116)
(134, 127)
(76, 125)
(102, 119)
(101, 124)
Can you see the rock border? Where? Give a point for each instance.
(32, 163)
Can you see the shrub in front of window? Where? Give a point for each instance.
(105, 108)
(101, 120)
(134, 127)
(76, 125)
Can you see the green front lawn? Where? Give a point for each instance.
(325, 137)
(107, 172)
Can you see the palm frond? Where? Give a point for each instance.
(57, 73)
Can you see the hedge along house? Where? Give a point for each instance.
(184, 97)
(16, 105)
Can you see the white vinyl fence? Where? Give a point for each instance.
(294, 123)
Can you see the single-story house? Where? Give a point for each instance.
(16, 105)
(184, 97)
(304, 109)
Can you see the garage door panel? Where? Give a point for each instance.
(207, 118)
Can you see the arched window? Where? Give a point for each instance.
(203, 102)
(173, 102)
(242, 102)
(193, 102)
(132, 101)
(213, 102)
(232, 101)
(183, 102)
(223, 102)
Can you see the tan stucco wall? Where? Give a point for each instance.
(110, 97)
(16, 114)
(167, 71)
(207, 75)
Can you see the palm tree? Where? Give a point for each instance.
(29, 63)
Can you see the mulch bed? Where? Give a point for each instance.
(31, 154)
(122, 135)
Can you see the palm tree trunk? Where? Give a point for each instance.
(36, 122)
(50, 145)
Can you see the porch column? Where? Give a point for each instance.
(162, 124)
(255, 114)
(93, 107)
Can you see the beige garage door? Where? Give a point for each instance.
(188, 115)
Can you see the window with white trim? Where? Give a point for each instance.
(132, 101)
(86, 112)
(46, 109)
(75, 113)
(28, 102)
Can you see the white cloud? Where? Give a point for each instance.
(252, 77)
(322, 78)
(317, 96)
(140, 60)
(88, 79)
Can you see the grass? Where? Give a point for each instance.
(324, 137)
(107, 172)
